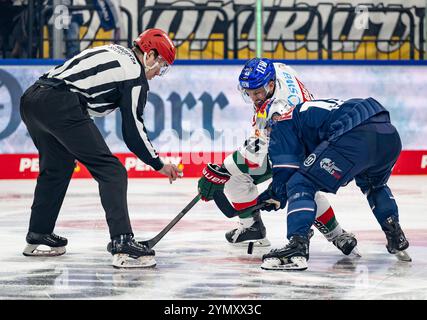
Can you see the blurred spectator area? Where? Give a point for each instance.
(206, 29)
(12, 28)
(27, 26)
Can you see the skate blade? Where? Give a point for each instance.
(256, 243)
(295, 264)
(355, 253)
(39, 250)
(403, 256)
(124, 261)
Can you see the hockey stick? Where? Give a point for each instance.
(153, 241)
(227, 208)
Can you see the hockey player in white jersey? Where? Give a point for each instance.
(260, 81)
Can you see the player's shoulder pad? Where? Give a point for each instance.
(281, 129)
(284, 67)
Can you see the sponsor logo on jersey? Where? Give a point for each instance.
(293, 87)
(328, 165)
(293, 100)
(287, 115)
(310, 160)
(290, 82)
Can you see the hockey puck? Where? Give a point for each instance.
(250, 247)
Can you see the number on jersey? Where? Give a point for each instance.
(328, 105)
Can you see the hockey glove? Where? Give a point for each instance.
(273, 201)
(214, 178)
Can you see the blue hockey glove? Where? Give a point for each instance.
(273, 201)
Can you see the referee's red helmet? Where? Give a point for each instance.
(157, 39)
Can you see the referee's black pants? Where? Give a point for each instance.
(62, 131)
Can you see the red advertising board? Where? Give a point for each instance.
(26, 166)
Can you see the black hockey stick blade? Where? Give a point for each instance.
(227, 208)
(152, 242)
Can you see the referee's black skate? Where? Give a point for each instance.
(44, 245)
(128, 253)
(293, 256)
(244, 234)
(396, 240)
(346, 242)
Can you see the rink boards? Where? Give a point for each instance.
(26, 166)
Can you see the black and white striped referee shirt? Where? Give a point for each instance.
(107, 78)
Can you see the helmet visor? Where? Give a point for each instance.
(244, 94)
(259, 93)
(164, 66)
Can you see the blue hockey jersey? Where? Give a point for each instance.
(296, 134)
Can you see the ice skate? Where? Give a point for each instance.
(128, 253)
(396, 240)
(44, 245)
(244, 233)
(293, 256)
(347, 243)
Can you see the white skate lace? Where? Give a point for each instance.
(240, 229)
(341, 240)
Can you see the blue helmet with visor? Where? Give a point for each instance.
(257, 73)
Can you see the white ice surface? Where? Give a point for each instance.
(194, 261)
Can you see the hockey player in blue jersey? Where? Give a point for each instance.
(243, 170)
(321, 145)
